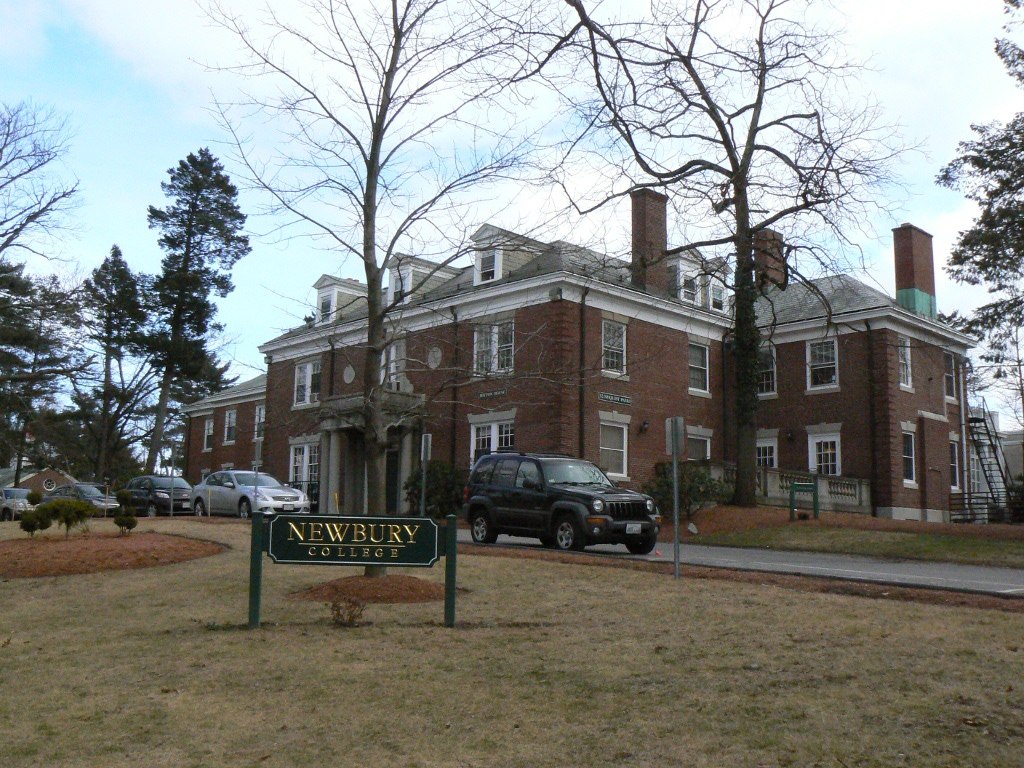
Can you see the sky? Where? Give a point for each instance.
(130, 77)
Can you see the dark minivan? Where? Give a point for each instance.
(160, 494)
(565, 502)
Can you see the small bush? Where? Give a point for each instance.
(125, 521)
(124, 499)
(444, 489)
(34, 498)
(67, 512)
(696, 487)
(346, 611)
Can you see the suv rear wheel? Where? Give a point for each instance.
(482, 529)
(568, 535)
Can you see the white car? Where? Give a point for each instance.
(14, 501)
(237, 492)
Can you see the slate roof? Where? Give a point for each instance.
(836, 295)
(253, 386)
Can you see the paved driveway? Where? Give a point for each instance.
(1006, 582)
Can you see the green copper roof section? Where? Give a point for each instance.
(917, 301)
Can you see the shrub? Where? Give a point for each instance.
(346, 611)
(124, 499)
(68, 512)
(125, 521)
(696, 487)
(34, 498)
(37, 519)
(444, 489)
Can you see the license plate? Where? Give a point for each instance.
(633, 528)
(288, 507)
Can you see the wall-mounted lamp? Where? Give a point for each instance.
(789, 434)
(645, 426)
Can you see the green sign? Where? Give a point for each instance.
(333, 540)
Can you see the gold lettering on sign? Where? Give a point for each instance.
(412, 530)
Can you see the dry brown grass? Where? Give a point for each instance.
(550, 665)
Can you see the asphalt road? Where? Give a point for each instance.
(1005, 582)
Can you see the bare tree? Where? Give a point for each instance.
(389, 114)
(741, 111)
(33, 194)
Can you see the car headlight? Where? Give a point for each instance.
(161, 494)
(650, 505)
(597, 505)
(263, 495)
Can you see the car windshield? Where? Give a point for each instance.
(166, 482)
(574, 472)
(16, 493)
(250, 478)
(89, 490)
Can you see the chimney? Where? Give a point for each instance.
(649, 267)
(770, 259)
(915, 271)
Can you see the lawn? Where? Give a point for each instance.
(1001, 546)
(550, 665)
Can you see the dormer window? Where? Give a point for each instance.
(325, 308)
(718, 297)
(488, 265)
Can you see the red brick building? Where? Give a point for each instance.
(551, 347)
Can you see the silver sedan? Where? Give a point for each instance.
(237, 492)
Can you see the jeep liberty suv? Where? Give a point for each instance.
(567, 503)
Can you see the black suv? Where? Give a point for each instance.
(160, 494)
(567, 503)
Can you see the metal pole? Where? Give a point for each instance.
(255, 568)
(451, 547)
(675, 501)
(425, 447)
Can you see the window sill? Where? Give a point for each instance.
(910, 484)
(823, 390)
(907, 388)
(952, 400)
(228, 442)
(699, 393)
(618, 375)
(767, 395)
(305, 406)
(618, 478)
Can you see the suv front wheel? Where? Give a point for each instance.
(568, 535)
(482, 529)
(644, 545)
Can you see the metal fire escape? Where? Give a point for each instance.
(995, 503)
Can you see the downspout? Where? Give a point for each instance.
(872, 438)
(453, 434)
(581, 405)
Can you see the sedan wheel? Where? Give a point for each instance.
(568, 535)
(6, 515)
(199, 508)
(244, 508)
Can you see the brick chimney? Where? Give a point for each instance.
(915, 270)
(770, 259)
(649, 267)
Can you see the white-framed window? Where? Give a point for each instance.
(614, 446)
(488, 266)
(766, 380)
(230, 426)
(307, 383)
(903, 352)
(259, 421)
(393, 365)
(717, 297)
(208, 435)
(949, 375)
(494, 348)
(909, 459)
(613, 346)
(766, 452)
(698, 367)
(824, 453)
(698, 448)
(305, 465)
(822, 364)
(325, 308)
(492, 437)
(954, 465)
(692, 290)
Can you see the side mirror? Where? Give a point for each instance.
(229, 484)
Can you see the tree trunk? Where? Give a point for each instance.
(747, 343)
(159, 418)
